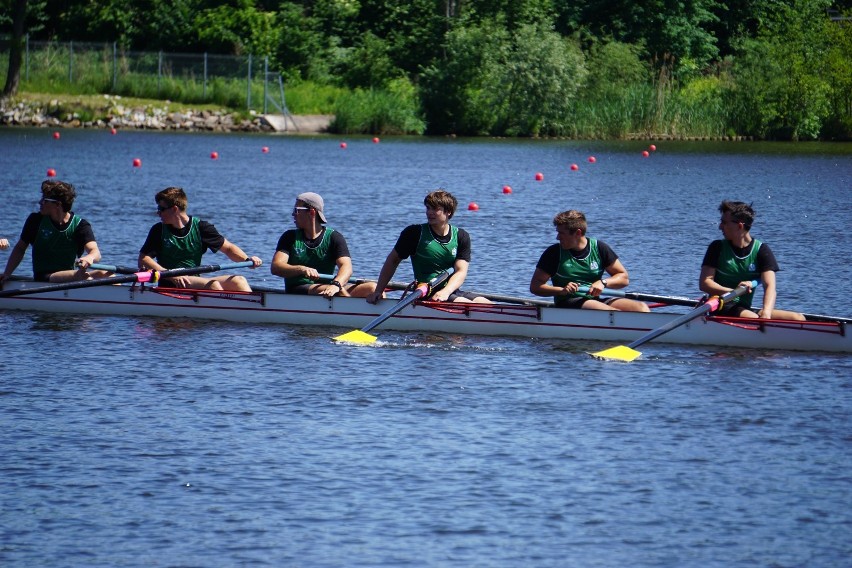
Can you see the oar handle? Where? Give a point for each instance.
(113, 268)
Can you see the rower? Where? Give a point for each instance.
(310, 250)
(737, 260)
(63, 243)
(179, 241)
(577, 260)
(434, 247)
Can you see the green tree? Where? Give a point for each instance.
(13, 76)
(780, 90)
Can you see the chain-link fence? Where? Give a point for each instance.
(193, 78)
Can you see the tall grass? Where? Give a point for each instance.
(81, 70)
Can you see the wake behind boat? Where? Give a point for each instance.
(500, 319)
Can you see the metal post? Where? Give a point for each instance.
(248, 89)
(204, 88)
(114, 65)
(265, 80)
(159, 70)
(71, 62)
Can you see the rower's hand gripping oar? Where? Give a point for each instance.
(628, 352)
(422, 290)
(152, 276)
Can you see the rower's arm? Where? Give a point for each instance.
(92, 255)
(281, 267)
(539, 285)
(15, 258)
(237, 254)
(707, 282)
(385, 275)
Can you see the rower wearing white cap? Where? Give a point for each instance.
(310, 250)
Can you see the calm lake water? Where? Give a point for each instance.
(140, 442)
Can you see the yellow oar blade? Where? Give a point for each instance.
(356, 336)
(619, 353)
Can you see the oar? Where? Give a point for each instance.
(113, 268)
(147, 276)
(361, 335)
(671, 300)
(628, 352)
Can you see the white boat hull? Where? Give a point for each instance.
(474, 319)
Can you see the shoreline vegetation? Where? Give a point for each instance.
(39, 110)
(717, 70)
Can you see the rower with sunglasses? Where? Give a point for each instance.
(63, 243)
(179, 241)
(310, 250)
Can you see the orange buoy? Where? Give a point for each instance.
(574, 167)
(507, 189)
(592, 159)
(343, 145)
(265, 149)
(137, 163)
(645, 153)
(56, 136)
(472, 206)
(214, 155)
(539, 176)
(51, 173)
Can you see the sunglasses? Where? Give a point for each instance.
(160, 208)
(297, 209)
(48, 200)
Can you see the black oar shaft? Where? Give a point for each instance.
(145, 276)
(711, 305)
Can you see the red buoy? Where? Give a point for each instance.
(56, 136)
(574, 167)
(652, 148)
(376, 140)
(137, 163)
(51, 173)
(507, 189)
(645, 153)
(472, 206)
(214, 155)
(592, 159)
(113, 131)
(343, 145)
(265, 149)
(539, 176)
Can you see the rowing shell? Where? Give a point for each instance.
(433, 317)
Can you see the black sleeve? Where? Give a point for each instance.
(608, 255)
(30, 230)
(84, 234)
(711, 257)
(338, 245)
(406, 244)
(153, 242)
(463, 252)
(285, 242)
(549, 260)
(766, 259)
(210, 237)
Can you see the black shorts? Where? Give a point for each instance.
(576, 302)
(731, 310)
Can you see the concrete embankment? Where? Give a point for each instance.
(115, 114)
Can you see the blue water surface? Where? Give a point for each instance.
(164, 442)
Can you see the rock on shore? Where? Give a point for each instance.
(115, 114)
